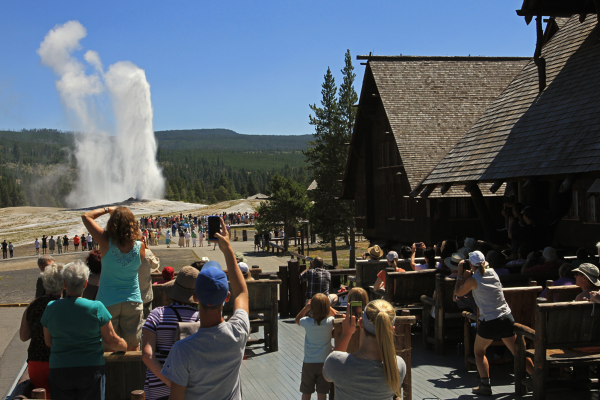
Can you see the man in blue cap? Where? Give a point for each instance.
(207, 364)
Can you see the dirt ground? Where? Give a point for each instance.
(18, 276)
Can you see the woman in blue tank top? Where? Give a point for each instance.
(122, 255)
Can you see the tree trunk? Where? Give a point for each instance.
(352, 262)
(346, 239)
(334, 259)
(285, 237)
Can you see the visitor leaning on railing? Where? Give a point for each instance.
(122, 255)
(374, 372)
(38, 354)
(495, 320)
(74, 329)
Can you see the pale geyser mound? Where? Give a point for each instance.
(116, 153)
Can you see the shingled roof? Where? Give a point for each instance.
(430, 102)
(525, 133)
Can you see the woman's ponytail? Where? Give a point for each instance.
(385, 341)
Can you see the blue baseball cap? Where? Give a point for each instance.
(211, 285)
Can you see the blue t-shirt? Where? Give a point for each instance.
(119, 278)
(317, 340)
(74, 324)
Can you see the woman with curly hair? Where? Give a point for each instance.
(122, 254)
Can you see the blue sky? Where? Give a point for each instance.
(250, 66)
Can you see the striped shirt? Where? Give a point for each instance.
(162, 321)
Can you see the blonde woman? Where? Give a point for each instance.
(374, 372)
(496, 321)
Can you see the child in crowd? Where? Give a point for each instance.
(317, 345)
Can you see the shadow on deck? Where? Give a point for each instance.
(277, 375)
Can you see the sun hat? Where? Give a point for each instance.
(240, 256)
(590, 271)
(211, 285)
(477, 258)
(392, 255)
(182, 288)
(453, 261)
(168, 273)
(244, 268)
(375, 251)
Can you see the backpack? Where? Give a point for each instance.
(184, 329)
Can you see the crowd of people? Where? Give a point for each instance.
(83, 309)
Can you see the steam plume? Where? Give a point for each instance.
(110, 168)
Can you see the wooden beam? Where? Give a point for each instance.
(567, 183)
(494, 188)
(470, 186)
(417, 190)
(510, 189)
(445, 187)
(430, 188)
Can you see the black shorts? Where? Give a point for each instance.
(498, 328)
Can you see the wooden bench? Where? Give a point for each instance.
(124, 373)
(522, 302)
(404, 289)
(262, 296)
(561, 294)
(560, 329)
(402, 344)
(447, 314)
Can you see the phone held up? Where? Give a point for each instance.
(356, 310)
(214, 226)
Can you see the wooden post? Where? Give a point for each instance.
(439, 315)
(403, 346)
(294, 287)
(303, 287)
(302, 240)
(520, 390)
(273, 323)
(539, 358)
(284, 311)
(138, 395)
(38, 393)
(484, 213)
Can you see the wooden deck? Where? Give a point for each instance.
(277, 375)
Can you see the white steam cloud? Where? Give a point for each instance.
(111, 168)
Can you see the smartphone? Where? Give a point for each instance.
(214, 226)
(356, 310)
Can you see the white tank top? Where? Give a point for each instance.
(489, 296)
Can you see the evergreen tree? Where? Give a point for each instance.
(323, 159)
(326, 158)
(347, 99)
(287, 204)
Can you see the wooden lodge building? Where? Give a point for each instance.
(412, 111)
(541, 136)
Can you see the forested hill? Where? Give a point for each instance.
(201, 166)
(228, 140)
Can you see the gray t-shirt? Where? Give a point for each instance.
(208, 362)
(359, 379)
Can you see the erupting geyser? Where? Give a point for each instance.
(113, 163)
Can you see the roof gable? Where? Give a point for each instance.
(430, 102)
(525, 133)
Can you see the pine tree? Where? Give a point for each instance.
(323, 159)
(347, 99)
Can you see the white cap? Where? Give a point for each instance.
(392, 255)
(204, 259)
(476, 258)
(243, 267)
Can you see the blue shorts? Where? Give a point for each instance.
(168, 241)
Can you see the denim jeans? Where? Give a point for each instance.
(77, 383)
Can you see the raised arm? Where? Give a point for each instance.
(97, 232)
(302, 313)
(236, 279)
(464, 282)
(412, 256)
(348, 329)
